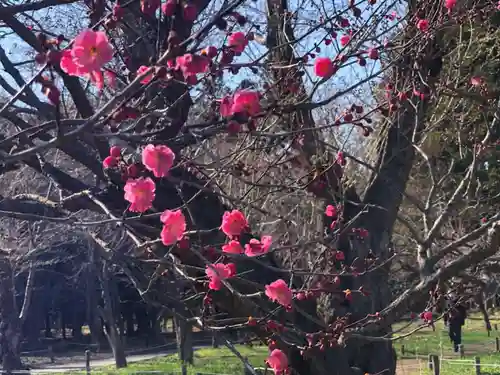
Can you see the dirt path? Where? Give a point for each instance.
(101, 362)
(94, 364)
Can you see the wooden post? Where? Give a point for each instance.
(497, 344)
(478, 365)
(87, 361)
(461, 350)
(430, 361)
(402, 350)
(435, 364)
(495, 326)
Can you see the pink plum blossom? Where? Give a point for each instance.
(233, 223)
(158, 159)
(174, 226)
(140, 193)
(278, 361)
(218, 272)
(238, 41)
(279, 292)
(233, 247)
(255, 247)
(246, 101)
(91, 50)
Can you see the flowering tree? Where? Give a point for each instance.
(248, 201)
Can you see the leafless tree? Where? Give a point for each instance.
(280, 159)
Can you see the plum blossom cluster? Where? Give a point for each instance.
(190, 65)
(218, 272)
(244, 102)
(189, 10)
(140, 192)
(324, 67)
(233, 224)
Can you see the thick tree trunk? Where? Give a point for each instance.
(383, 195)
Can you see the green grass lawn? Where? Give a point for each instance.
(422, 343)
(413, 362)
(426, 341)
(206, 361)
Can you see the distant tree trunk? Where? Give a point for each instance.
(63, 325)
(183, 330)
(108, 314)
(92, 316)
(117, 346)
(184, 336)
(156, 325)
(129, 321)
(215, 340)
(141, 315)
(10, 321)
(482, 307)
(48, 325)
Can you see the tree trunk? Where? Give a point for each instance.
(108, 314)
(481, 303)
(184, 337)
(91, 297)
(117, 346)
(383, 195)
(48, 325)
(10, 322)
(215, 340)
(129, 321)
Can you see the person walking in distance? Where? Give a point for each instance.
(457, 313)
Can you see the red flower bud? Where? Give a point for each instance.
(110, 162)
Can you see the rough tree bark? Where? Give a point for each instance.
(183, 331)
(184, 337)
(383, 195)
(11, 321)
(108, 313)
(92, 314)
